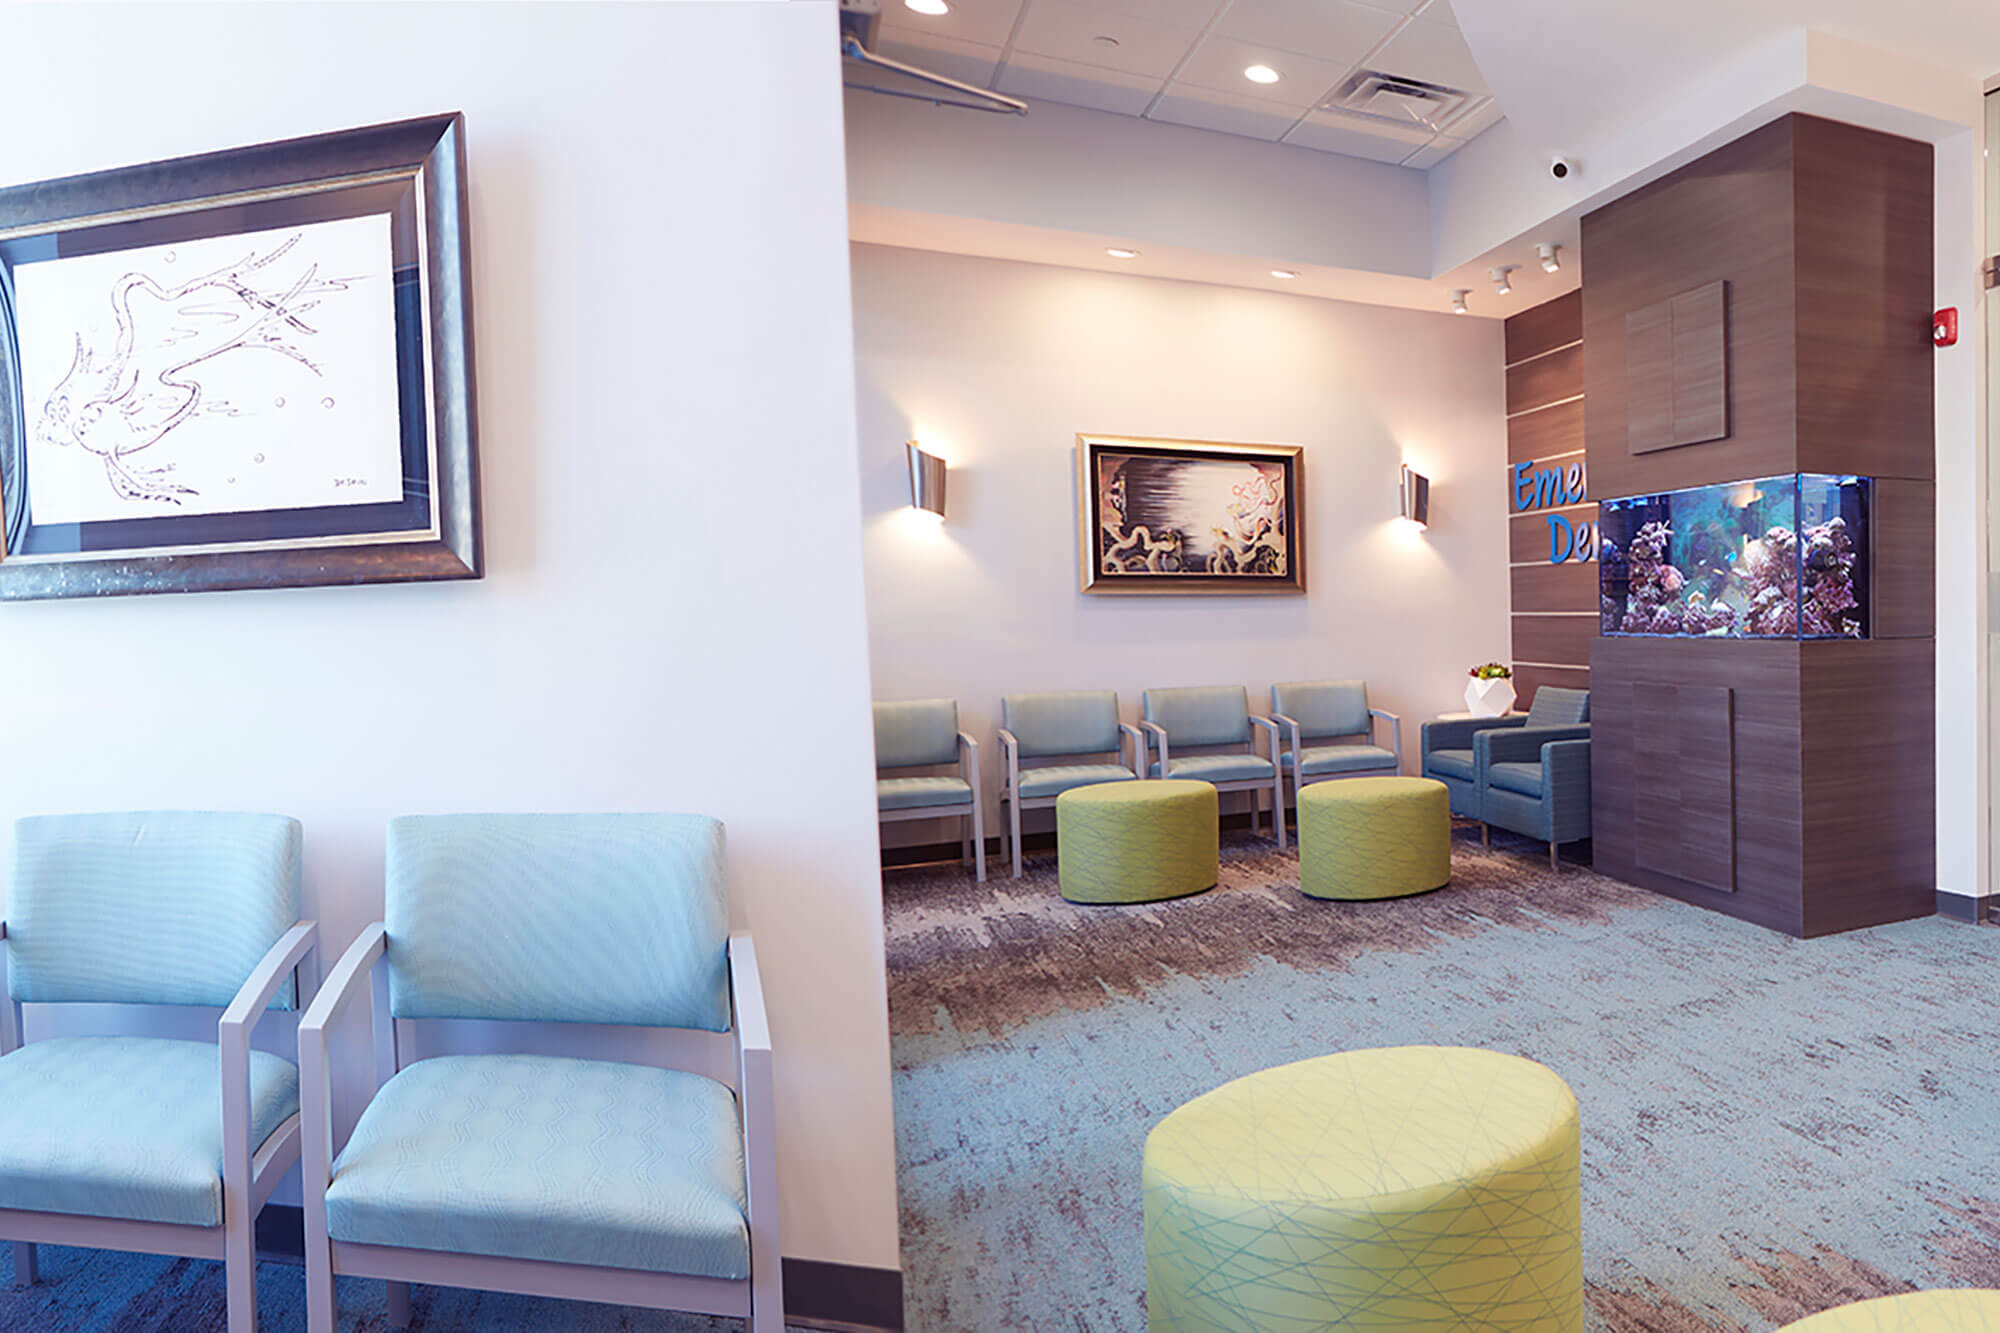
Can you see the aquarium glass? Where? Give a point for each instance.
(1774, 558)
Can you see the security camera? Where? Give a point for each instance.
(1561, 168)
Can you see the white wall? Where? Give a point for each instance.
(672, 617)
(997, 365)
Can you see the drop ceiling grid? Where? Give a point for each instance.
(1181, 61)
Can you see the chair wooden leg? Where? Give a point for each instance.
(1555, 863)
(399, 1305)
(321, 1315)
(24, 1264)
(1014, 833)
(978, 844)
(1485, 834)
(1278, 811)
(239, 1275)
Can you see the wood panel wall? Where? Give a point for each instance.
(1555, 606)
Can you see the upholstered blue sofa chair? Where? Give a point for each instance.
(142, 1143)
(923, 733)
(1446, 744)
(584, 1179)
(1043, 736)
(1330, 732)
(1535, 783)
(1214, 731)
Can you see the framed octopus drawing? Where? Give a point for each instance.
(246, 369)
(1189, 516)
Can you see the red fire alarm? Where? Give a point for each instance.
(1944, 326)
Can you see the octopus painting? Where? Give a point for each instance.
(1199, 514)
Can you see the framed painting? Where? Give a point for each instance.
(246, 369)
(1189, 516)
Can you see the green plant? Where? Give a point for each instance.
(1491, 671)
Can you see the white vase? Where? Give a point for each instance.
(1489, 698)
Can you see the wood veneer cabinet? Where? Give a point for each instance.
(1790, 783)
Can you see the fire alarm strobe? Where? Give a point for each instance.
(1944, 326)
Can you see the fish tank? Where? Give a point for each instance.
(1774, 558)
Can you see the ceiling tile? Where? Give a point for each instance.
(968, 62)
(1332, 30)
(1434, 152)
(987, 21)
(1148, 42)
(1220, 61)
(1208, 110)
(1029, 75)
(1434, 53)
(1476, 121)
(1358, 136)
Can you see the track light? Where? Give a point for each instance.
(1547, 250)
(1501, 282)
(1458, 306)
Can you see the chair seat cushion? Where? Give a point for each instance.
(1059, 778)
(1449, 764)
(909, 793)
(1342, 758)
(1523, 778)
(126, 1127)
(1218, 768)
(540, 1157)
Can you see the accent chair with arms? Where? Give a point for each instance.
(1535, 781)
(923, 733)
(142, 1143)
(1216, 720)
(583, 1179)
(1064, 725)
(1334, 714)
(1446, 744)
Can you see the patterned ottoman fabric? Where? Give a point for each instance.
(1374, 838)
(1137, 842)
(1419, 1187)
(1918, 1312)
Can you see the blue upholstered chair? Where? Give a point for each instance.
(1335, 717)
(1535, 782)
(1058, 729)
(585, 1179)
(1215, 732)
(143, 1143)
(923, 733)
(1446, 744)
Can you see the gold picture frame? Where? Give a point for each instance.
(1203, 517)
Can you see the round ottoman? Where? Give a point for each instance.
(1136, 842)
(1917, 1312)
(1420, 1187)
(1374, 837)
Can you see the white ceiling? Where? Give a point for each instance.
(1182, 61)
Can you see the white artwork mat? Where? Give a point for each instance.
(225, 375)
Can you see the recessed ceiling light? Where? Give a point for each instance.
(1284, 273)
(1120, 252)
(934, 8)
(1261, 74)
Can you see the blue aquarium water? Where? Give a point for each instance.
(1775, 558)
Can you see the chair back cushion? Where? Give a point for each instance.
(148, 907)
(1062, 722)
(916, 731)
(1324, 707)
(1201, 714)
(559, 919)
(1555, 707)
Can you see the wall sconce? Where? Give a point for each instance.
(926, 480)
(1416, 497)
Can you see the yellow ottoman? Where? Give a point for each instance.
(1420, 1187)
(1918, 1312)
(1137, 842)
(1374, 837)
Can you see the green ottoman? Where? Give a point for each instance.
(1136, 842)
(1374, 837)
(1421, 1187)
(1961, 1311)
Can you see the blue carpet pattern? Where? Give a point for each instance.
(1771, 1127)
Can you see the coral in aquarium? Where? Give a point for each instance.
(1653, 605)
(1770, 573)
(1829, 575)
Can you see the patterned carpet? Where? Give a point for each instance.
(1770, 1127)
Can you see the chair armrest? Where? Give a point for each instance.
(252, 1003)
(1566, 789)
(968, 762)
(1010, 752)
(1291, 726)
(1159, 735)
(754, 1097)
(1565, 761)
(1520, 745)
(315, 1093)
(1395, 732)
(1270, 730)
(1138, 739)
(1456, 733)
(10, 1013)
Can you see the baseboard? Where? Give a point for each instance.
(1964, 907)
(842, 1297)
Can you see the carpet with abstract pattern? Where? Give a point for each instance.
(1771, 1127)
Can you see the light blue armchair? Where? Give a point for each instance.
(1535, 782)
(1216, 721)
(1446, 746)
(923, 733)
(1335, 716)
(583, 1179)
(140, 1143)
(1059, 728)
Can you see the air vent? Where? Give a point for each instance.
(1392, 97)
